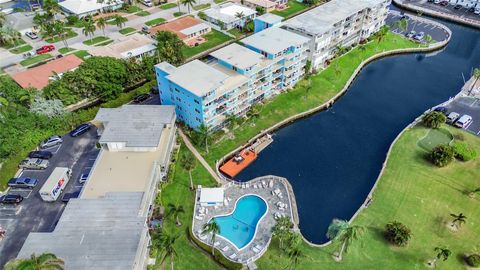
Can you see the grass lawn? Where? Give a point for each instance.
(104, 43)
(434, 138)
(82, 54)
(65, 50)
(13, 45)
(143, 13)
(70, 34)
(417, 194)
(126, 31)
(293, 8)
(155, 21)
(202, 6)
(219, 1)
(21, 49)
(95, 40)
(178, 13)
(168, 6)
(36, 59)
(177, 192)
(213, 38)
(236, 32)
(131, 9)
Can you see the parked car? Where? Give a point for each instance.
(33, 164)
(11, 199)
(59, 56)
(51, 142)
(84, 175)
(154, 90)
(458, 6)
(67, 196)
(31, 35)
(147, 3)
(477, 11)
(23, 182)
(441, 109)
(141, 98)
(45, 49)
(29, 54)
(463, 121)
(80, 130)
(452, 117)
(40, 154)
(145, 29)
(436, 2)
(411, 34)
(419, 36)
(444, 3)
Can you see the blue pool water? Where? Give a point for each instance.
(239, 227)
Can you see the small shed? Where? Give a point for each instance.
(211, 196)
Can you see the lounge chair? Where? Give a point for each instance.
(254, 249)
(216, 244)
(202, 237)
(225, 248)
(233, 256)
(199, 217)
(258, 246)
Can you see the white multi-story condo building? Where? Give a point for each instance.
(338, 23)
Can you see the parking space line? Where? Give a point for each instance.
(467, 126)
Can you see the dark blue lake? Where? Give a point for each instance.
(333, 158)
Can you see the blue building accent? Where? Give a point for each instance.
(265, 21)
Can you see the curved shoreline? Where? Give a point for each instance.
(329, 103)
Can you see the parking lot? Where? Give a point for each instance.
(35, 215)
(449, 9)
(437, 33)
(470, 106)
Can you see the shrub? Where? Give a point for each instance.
(442, 155)
(473, 260)
(397, 233)
(72, 20)
(464, 152)
(459, 137)
(433, 119)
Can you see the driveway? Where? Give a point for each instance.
(470, 106)
(35, 215)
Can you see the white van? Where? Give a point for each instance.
(463, 121)
(55, 184)
(147, 3)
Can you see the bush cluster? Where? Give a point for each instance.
(464, 152)
(473, 260)
(442, 155)
(397, 233)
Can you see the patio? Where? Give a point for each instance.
(272, 189)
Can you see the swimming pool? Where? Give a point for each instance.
(239, 227)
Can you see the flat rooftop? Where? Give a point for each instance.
(131, 45)
(226, 12)
(84, 6)
(269, 17)
(321, 19)
(181, 27)
(274, 40)
(238, 56)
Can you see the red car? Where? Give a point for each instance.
(45, 49)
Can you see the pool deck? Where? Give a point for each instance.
(266, 186)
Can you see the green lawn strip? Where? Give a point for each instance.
(178, 13)
(131, 9)
(236, 32)
(10, 166)
(82, 54)
(177, 192)
(65, 50)
(168, 6)
(417, 194)
(21, 49)
(70, 34)
(95, 40)
(126, 31)
(324, 86)
(219, 1)
(13, 45)
(213, 38)
(143, 13)
(104, 43)
(293, 8)
(202, 6)
(36, 59)
(434, 138)
(155, 21)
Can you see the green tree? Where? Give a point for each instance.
(52, 8)
(89, 29)
(254, 111)
(189, 4)
(458, 220)
(60, 30)
(402, 25)
(175, 211)
(165, 243)
(382, 33)
(232, 120)
(260, 10)
(428, 39)
(434, 119)
(442, 155)
(282, 230)
(188, 162)
(3, 18)
(43, 262)
(203, 135)
(240, 15)
(341, 231)
(169, 48)
(102, 23)
(213, 228)
(8, 35)
(397, 233)
(119, 21)
(441, 253)
(295, 254)
(476, 76)
(473, 260)
(311, 3)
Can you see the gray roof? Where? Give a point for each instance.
(238, 56)
(273, 40)
(270, 18)
(197, 77)
(321, 19)
(135, 125)
(102, 233)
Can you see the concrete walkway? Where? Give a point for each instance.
(200, 158)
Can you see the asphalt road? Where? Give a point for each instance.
(462, 12)
(35, 215)
(470, 106)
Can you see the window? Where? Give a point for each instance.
(196, 101)
(196, 110)
(177, 90)
(179, 99)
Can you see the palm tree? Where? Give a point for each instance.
(342, 231)
(52, 7)
(294, 255)
(240, 16)
(44, 261)
(213, 228)
(282, 230)
(119, 21)
(428, 39)
(476, 75)
(175, 211)
(232, 119)
(188, 162)
(442, 253)
(3, 18)
(102, 23)
(254, 111)
(166, 245)
(204, 135)
(188, 3)
(60, 30)
(402, 25)
(458, 220)
(382, 33)
(89, 29)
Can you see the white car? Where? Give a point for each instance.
(477, 11)
(464, 121)
(31, 35)
(452, 117)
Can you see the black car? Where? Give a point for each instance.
(10, 199)
(141, 98)
(80, 130)
(23, 182)
(67, 196)
(443, 110)
(154, 90)
(457, 6)
(40, 154)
